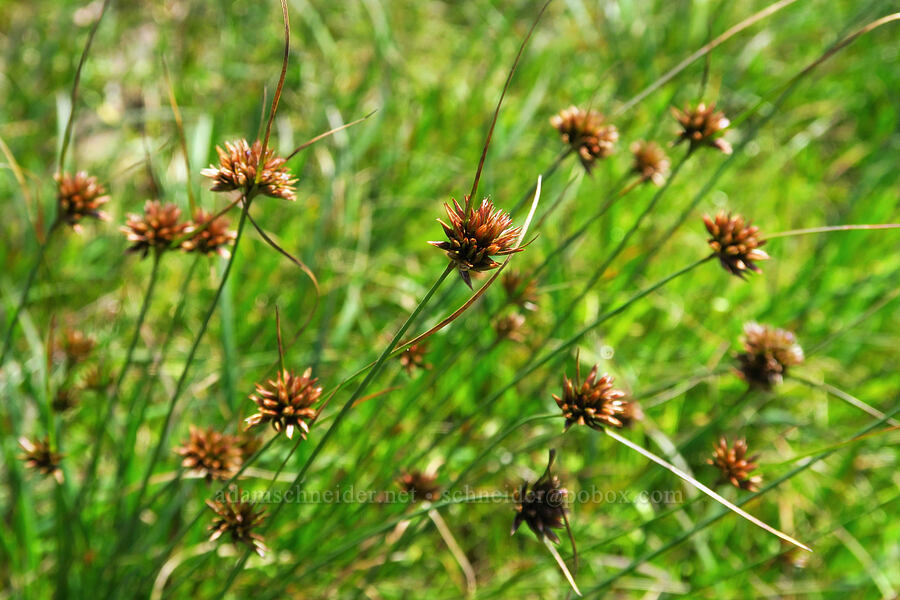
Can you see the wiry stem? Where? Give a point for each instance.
(457, 552)
(827, 229)
(562, 565)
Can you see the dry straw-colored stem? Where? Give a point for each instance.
(831, 228)
(278, 89)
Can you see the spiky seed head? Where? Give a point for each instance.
(768, 353)
(238, 163)
(542, 506)
(75, 346)
(586, 133)
(474, 238)
(208, 238)
(413, 358)
(519, 289)
(650, 162)
(64, 399)
(156, 229)
(237, 518)
(736, 243)
(510, 327)
(96, 378)
(212, 454)
(40, 457)
(595, 403)
(702, 126)
(735, 465)
(287, 403)
(420, 486)
(79, 196)
(247, 444)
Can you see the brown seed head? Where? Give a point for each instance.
(768, 352)
(650, 162)
(586, 133)
(212, 454)
(247, 444)
(157, 228)
(238, 519)
(542, 506)
(595, 403)
(413, 358)
(287, 403)
(700, 126)
(75, 346)
(38, 456)
(520, 290)
(420, 486)
(215, 237)
(510, 327)
(238, 163)
(735, 465)
(65, 399)
(736, 243)
(473, 240)
(79, 196)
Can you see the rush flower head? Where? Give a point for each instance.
(509, 327)
(238, 163)
(735, 465)
(214, 237)
(768, 352)
(474, 238)
(736, 243)
(701, 126)
(586, 133)
(520, 290)
(75, 346)
(420, 486)
(287, 403)
(413, 358)
(156, 229)
(238, 519)
(79, 196)
(210, 453)
(39, 456)
(650, 162)
(65, 399)
(542, 506)
(595, 403)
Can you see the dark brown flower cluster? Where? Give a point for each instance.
(156, 229)
(210, 235)
(474, 238)
(542, 506)
(287, 403)
(510, 327)
(420, 486)
(520, 290)
(237, 170)
(413, 358)
(735, 466)
(586, 133)
(38, 455)
(736, 243)
(701, 126)
(595, 403)
(768, 353)
(79, 196)
(212, 454)
(650, 162)
(238, 519)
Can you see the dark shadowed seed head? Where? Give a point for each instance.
(650, 162)
(413, 358)
(156, 229)
(214, 238)
(510, 327)
(474, 238)
(75, 346)
(238, 519)
(735, 465)
(238, 163)
(65, 399)
(519, 290)
(586, 133)
(39, 456)
(79, 196)
(212, 454)
(736, 243)
(595, 403)
(420, 486)
(542, 506)
(287, 403)
(701, 126)
(768, 353)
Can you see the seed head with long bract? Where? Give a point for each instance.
(595, 403)
(735, 465)
(212, 454)
(238, 519)
(79, 196)
(542, 506)
(768, 353)
(736, 243)
(38, 455)
(156, 229)
(238, 164)
(702, 126)
(586, 133)
(287, 403)
(214, 238)
(650, 162)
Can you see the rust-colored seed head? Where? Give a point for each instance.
(212, 454)
(509, 327)
(736, 243)
(65, 399)
(650, 162)
(39, 456)
(238, 519)
(768, 352)
(595, 403)
(472, 240)
(287, 403)
(79, 196)
(215, 237)
(701, 126)
(96, 378)
(238, 163)
(156, 229)
(519, 291)
(735, 465)
(542, 506)
(420, 486)
(586, 133)
(413, 358)
(76, 346)
(247, 444)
